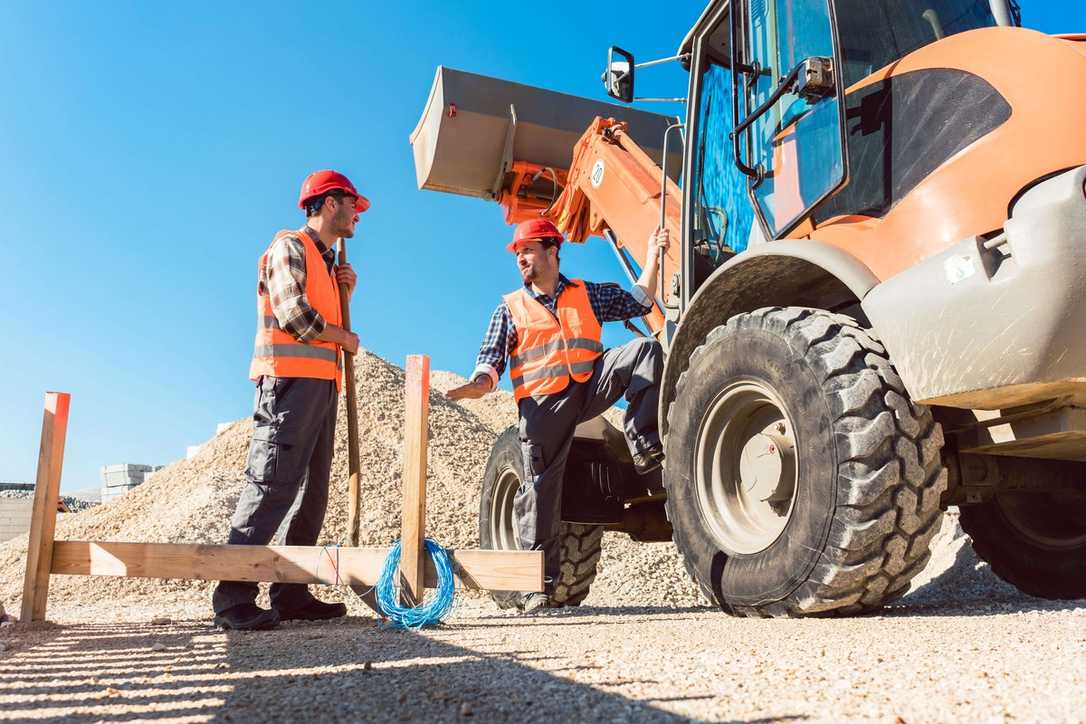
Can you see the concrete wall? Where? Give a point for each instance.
(14, 517)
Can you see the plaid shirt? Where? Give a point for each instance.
(609, 302)
(284, 279)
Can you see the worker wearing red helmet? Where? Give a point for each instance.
(297, 368)
(548, 333)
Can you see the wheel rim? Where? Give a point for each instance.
(503, 532)
(746, 472)
(1045, 519)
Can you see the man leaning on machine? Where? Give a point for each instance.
(548, 332)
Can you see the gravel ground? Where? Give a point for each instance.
(961, 645)
(976, 660)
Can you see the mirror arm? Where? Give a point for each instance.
(670, 59)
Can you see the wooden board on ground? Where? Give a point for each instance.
(493, 570)
(332, 565)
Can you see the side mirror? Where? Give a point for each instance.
(618, 79)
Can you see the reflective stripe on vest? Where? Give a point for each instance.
(294, 350)
(277, 353)
(551, 348)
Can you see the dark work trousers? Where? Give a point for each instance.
(294, 425)
(546, 433)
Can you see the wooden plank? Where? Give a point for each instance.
(476, 569)
(43, 521)
(416, 438)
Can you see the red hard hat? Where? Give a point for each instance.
(320, 182)
(534, 230)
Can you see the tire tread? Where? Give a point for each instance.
(890, 470)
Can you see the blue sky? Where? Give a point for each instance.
(151, 150)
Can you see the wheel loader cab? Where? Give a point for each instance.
(763, 161)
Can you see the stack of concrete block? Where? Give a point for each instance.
(117, 480)
(15, 516)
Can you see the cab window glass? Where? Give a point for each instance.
(723, 214)
(798, 141)
(875, 33)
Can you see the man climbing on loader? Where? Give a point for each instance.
(548, 332)
(298, 373)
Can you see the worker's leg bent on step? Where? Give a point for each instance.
(547, 425)
(632, 371)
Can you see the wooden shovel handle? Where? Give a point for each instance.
(353, 486)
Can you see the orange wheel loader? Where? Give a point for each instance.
(874, 311)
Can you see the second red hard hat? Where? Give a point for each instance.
(534, 230)
(321, 182)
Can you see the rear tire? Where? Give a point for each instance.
(1034, 541)
(581, 545)
(847, 516)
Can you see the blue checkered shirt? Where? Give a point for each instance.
(610, 303)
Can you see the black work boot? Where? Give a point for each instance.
(535, 602)
(247, 617)
(646, 461)
(313, 610)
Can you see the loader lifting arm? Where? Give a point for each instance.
(611, 185)
(528, 149)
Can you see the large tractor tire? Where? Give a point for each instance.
(801, 479)
(581, 545)
(1036, 541)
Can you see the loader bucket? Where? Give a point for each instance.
(474, 127)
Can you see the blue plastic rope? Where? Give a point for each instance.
(431, 611)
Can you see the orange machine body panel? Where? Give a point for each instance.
(613, 184)
(1043, 79)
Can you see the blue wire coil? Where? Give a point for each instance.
(431, 611)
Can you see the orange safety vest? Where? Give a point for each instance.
(552, 349)
(278, 353)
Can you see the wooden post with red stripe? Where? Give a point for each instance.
(43, 521)
(416, 439)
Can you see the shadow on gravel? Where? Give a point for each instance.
(110, 672)
(969, 588)
(621, 614)
(358, 669)
(353, 669)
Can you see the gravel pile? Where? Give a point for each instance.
(192, 500)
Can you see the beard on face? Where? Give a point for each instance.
(344, 227)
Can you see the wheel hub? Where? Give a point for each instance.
(767, 466)
(746, 468)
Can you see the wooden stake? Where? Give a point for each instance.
(416, 438)
(43, 521)
(353, 464)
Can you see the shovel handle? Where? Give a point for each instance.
(353, 465)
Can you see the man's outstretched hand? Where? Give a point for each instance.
(471, 391)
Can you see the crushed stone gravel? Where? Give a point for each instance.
(961, 644)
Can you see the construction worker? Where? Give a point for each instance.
(548, 333)
(298, 373)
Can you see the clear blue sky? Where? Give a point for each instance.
(151, 150)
